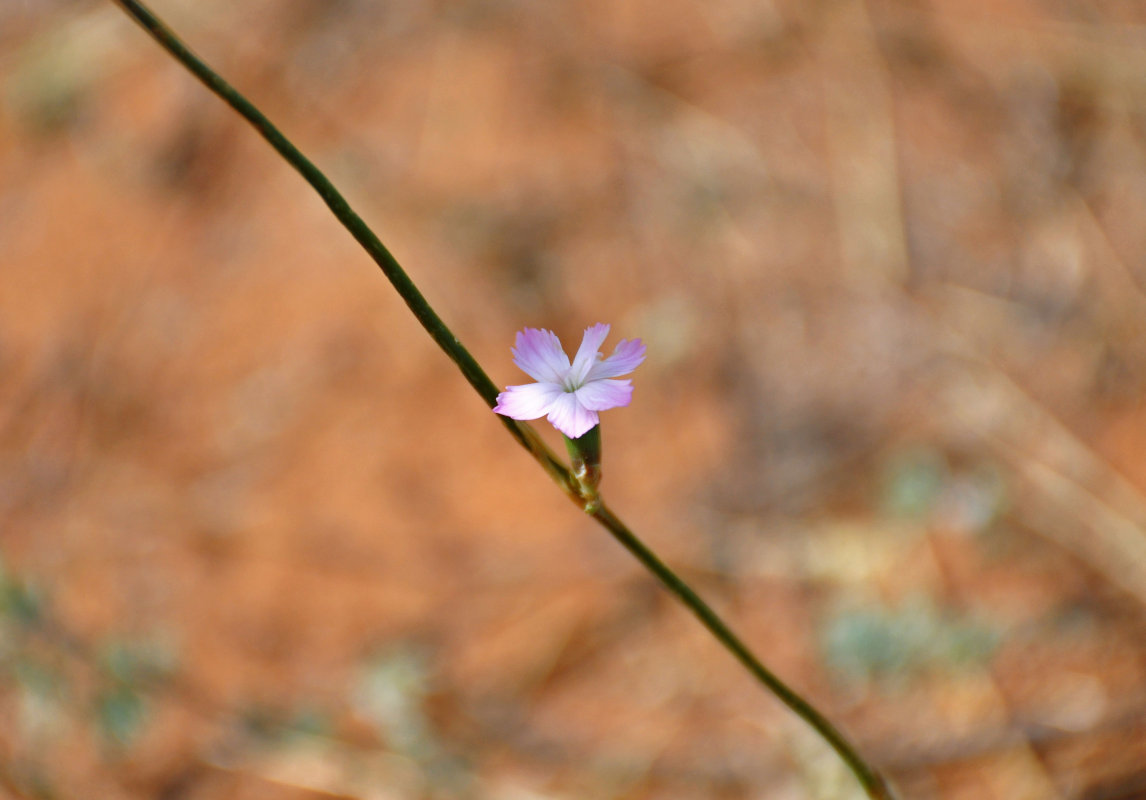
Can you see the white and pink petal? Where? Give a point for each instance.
(570, 417)
(588, 354)
(529, 401)
(605, 394)
(539, 354)
(627, 356)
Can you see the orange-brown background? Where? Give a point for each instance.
(260, 540)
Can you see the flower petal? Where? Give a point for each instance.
(603, 395)
(570, 417)
(530, 401)
(627, 356)
(538, 353)
(588, 353)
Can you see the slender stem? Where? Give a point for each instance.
(338, 204)
(872, 782)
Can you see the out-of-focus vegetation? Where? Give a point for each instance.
(260, 541)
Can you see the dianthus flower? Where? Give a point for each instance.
(570, 395)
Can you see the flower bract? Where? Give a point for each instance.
(570, 394)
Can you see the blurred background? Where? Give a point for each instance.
(258, 539)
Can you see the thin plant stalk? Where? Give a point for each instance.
(869, 778)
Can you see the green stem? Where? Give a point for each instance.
(874, 784)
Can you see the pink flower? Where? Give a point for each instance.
(570, 395)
